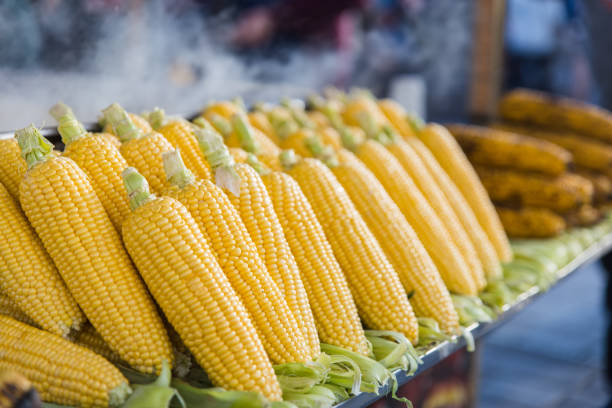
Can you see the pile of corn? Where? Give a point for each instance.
(546, 165)
(256, 246)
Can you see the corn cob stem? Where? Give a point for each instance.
(123, 126)
(69, 128)
(220, 160)
(34, 147)
(176, 171)
(245, 133)
(157, 118)
(137, 188)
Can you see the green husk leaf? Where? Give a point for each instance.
(220, 160)
(158, 394)
(136, 187)
(318, 397)
(301, 377)
(244, 132)
(471, 310)
(430, 332)
(157, 118)
(218, 397)
(176, 172)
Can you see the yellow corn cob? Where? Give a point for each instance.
(498, 148)
(561, 194)
(29, 277)
(140, 122)
(484, 247)
(376, 288)
(588, 153)
(196, 296)
(396, 114)
(555, 112)
(260, 121)
(224, 109)
(62, 372)
(253, 256)
(449, 155)
(9, 308)
(89, 338)
(416, 169)
(180, 134)
(405, 251)
(332, 305)
(299, 142)
(602, 185)
(63, 208)
(330, 137)
(142, 151)
(112, 139)
(99, 159)
(239, 155)
(12, 166)
(529, 222)
(319, 119)
(420, 215)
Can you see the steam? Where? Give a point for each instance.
(149, 58)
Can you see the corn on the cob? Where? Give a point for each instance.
(89, 338)
(29, 277)
(584, 216)
(260, 121)
(484, 247)
(449, 155)
(405, 251)
(184, 277)
(531, 222)
(12, 166)
(330, 137)
(561, 194)
(329, 296)
(602, 185)
(8, 307)
(99, 159)
(253, 141)
(300, 142)
(140, 122)
(555, 112)
(180, 134)
(319, 119)
(63, 208)
(253, 256)
(223, 109)
(429, 228)
(140, 150)
(63, 372)
(416, 169)
(396, 114)
(587, 153)
(378, 292)
(498, 148)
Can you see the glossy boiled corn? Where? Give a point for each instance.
(530, 222)
(329, 296)
(416, 169)
(381, 300)
(244, 236)
(12, 166)
(420, 215)
(99, 159)
(396, 114)
(62, 372)
(62, 206)
(498, 148)
(538, 108)
(560, 194)
(415, 268)
(452, 159)
(181, 135)
(140, 150)
(29, 277)
(181, 271)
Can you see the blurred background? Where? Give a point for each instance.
(444, 59)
